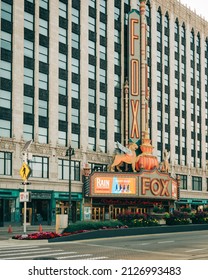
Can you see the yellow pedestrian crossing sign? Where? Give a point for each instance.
(24, 171)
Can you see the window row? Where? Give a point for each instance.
(40, 167)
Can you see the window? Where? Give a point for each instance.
(28, 21)
(63, 170)
(183, 182)
(5, 70)
(5, 128)
(44, 4)
(98, 167)
(5, 99)
(28, 105)
(196, 183)
(6, 11)
(6, 39)
(43, 54)
(62, 10)
(27, 132)
(39, 167)
(43, 27)
(5, 163)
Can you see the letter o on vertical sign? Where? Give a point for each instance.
(135, 77)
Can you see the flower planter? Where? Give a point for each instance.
(160, 217)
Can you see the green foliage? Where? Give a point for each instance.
(187, 210)
(205, 209)
(200, 218)
(137, 220)
(157, 209)
(92, 225)
(178, 218)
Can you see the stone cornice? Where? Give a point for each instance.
(183, 14)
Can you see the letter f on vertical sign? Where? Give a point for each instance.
(133, 36)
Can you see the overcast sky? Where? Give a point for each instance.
(201, 7)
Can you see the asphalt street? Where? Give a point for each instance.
(191, 245)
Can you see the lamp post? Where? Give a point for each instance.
(70, 152)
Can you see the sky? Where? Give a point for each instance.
(200, 7)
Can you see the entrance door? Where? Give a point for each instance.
(116, 211)
(137, 210)
(98, 213)
(42, 211)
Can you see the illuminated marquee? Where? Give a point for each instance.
(148, 184)
(134, 74)
(157, 185)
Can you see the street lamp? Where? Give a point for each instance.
(69, 153)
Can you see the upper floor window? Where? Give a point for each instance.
(63, 170)
(5, 163)
(183, 182)
(39, 167)
(196, 183)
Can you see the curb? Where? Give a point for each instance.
(129, 232)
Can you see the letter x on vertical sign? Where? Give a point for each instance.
(134, 127)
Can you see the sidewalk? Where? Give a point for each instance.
(5, 234)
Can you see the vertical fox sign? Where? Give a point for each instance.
(134, 75)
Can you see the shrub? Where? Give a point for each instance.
(157, 209)
(187, 210)
(178, 218)
(200, 218)
(92, 225)
(137, 220)
(206, 209)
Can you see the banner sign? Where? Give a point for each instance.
(114, 185)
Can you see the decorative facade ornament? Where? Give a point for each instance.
(128, 157)
(165, 163)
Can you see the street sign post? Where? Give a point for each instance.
(25, 173)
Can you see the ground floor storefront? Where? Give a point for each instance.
(111, 194)
(192, 203)
(109, 208)
(42, 207)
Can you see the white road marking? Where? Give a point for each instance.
(74, 256)
(97, 258)
(168, 241)
(37, 256)
(194, 250)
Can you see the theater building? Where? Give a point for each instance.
(110, 195)
(89, 74)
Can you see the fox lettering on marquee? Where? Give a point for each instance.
(155, 187)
